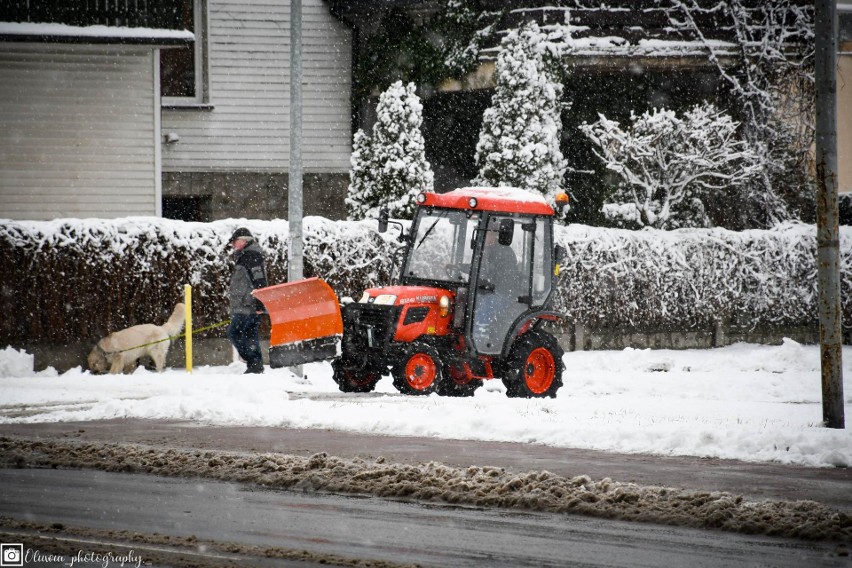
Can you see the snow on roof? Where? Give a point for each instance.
(101, 33)
(505, 192)
(506, 199)
(567, 39)
(618, 46)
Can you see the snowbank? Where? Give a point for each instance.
(746, 402)
(14, 363)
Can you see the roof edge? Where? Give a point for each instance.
(63, 33)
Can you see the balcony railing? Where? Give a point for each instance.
(164, 14)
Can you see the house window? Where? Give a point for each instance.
(182, 68)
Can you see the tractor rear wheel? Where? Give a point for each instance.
(418, 371)
(354, 380)
(534, 368)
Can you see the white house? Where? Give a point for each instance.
(179, 108)
(227, 131)
(80, 120)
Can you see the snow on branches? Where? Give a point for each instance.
(776, 41)
(772, 82)
(390, 168)
(467, 27)
(670, 166)
(762, 54)
(519, 140)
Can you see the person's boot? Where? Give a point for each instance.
(254, 368)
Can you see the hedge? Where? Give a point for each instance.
(694, 277)
(70, 279)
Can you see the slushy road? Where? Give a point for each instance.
(756, 481)
(373, 528)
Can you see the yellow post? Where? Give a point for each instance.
(187, 300)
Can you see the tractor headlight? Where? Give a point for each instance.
(444, 306)
(385, 299)
(472, 202)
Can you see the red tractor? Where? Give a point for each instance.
(472, 296)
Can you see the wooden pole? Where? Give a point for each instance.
(828, 233)
(187, 301)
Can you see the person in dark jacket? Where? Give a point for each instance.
(249, 273)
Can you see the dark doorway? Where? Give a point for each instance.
(183, 208)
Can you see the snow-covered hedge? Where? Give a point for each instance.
(70, 280)
(692, 277)
(73, 279)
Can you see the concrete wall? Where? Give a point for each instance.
(218, 351)
(579, 337)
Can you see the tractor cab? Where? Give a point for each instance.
(492, 249)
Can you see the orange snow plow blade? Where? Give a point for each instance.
(306, 322)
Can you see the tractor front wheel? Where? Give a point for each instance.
(454, 382)
(418, 371)
(534, 368)
(354, 380)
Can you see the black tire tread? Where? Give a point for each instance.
(524, 345)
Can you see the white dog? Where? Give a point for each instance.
(120, 351)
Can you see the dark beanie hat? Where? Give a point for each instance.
(241, 233)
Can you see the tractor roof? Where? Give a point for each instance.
(501, 199)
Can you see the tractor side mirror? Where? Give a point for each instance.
(506, 232)
(384, 221)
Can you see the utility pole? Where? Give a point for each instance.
(295, 269)
(828, 234)
(294, 195)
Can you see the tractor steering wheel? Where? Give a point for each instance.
(454, 271)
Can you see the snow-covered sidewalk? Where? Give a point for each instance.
(748, 402)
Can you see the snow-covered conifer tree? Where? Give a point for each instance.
(519, 140)
(390, 168)
(670, 166)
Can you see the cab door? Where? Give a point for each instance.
(501, 292)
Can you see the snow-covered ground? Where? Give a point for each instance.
(748, 402)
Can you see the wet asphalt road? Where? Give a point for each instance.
(371, 528)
